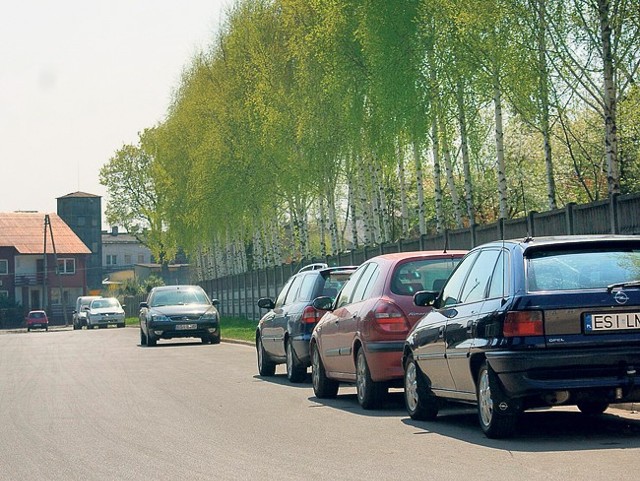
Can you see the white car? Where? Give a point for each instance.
(104, 313)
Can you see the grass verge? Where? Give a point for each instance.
(231, 328)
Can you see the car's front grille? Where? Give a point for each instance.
(185, 318)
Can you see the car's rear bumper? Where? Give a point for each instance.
(581, 370)
(385, 360)
(39, 325)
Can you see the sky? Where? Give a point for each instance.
(81, 78)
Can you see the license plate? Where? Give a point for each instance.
(612, 321)
(181, 327)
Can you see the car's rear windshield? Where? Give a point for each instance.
(178, 297)
(37, 315)
(577, 269)
(421, 275)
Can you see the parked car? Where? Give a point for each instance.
(37, 320)
(283, 333)
(104, 312)
(529, 323)
(178, 311)
(79, 318)
(360, 339)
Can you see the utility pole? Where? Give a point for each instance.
(47, 223)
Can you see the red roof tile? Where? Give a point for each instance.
(25, 232)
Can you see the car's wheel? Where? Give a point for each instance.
(75, 326)
(151, 340)
(370, 393)
(421, 403)
(89, 326)
(593, 408)
(121, 325)
(295, 371)
(497, 417)
(265, 366)
(143, 338)
(215, 339)
(28, 329)
(46, 328)
(323, 387)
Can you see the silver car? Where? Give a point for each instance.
(104, 312)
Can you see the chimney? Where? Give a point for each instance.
(114, 230)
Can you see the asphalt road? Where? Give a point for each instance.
(94, 405)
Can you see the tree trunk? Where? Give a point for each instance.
(435, 148)
(448, 165)
(404, 220)
(417, 159)
(323, 227)
(610, 100)
(544, 101)
(501, 171)
(464, 148)
(333, 221)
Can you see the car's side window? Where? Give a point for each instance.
(499, 281)
(451, 290)
(366, 282)
(293, 290)
(345, 294)
(283, 293)
(306, 290)
(475, 287)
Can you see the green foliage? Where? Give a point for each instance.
(296, 99)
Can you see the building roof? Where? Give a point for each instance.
(25, 232)
(78, 194)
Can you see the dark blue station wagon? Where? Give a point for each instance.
(530, 323)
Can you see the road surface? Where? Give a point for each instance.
(94, 405)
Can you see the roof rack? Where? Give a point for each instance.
(313, 267)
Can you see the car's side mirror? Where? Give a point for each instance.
(144, 305)
(323, 303)
(425, 298)
(87, 308)
(266, 303)
(215, 302)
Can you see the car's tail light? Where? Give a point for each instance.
(390, 317)
(311, 315)
(523, 323)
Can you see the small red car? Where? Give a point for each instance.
(361, 338)
(37, 320)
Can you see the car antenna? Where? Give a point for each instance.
(446, 241)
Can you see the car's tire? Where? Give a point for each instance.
(75, 326)
(295, 371)
(215, 339)
(121, 325)
(496, 414)
(89, 326)
(143, 338)
(323, 387)
(46, 328)
(592, 408)
(421, 403)
(265, 366)
(370, 393)
(28, 329)
(151, 340)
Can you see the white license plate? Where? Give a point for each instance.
(181, 327)
(612, 321)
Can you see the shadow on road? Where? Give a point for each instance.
(546, 430)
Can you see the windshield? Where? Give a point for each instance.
(104, 303)
(582, 269)
(178, 297)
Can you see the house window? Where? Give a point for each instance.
(4, 294)
(112, 259)
(4, 267)
(66, 266)
(140, 258)
(127, 259)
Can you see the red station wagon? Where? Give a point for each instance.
(361, 338)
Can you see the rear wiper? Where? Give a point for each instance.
(611, 287)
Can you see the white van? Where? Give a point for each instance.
(79, 313)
